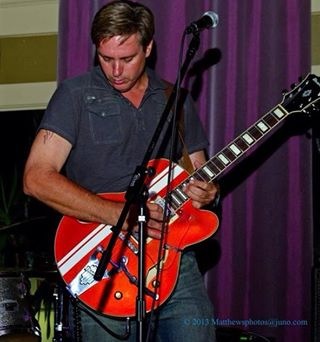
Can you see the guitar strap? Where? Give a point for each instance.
(185, 160)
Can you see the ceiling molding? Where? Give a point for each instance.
(28, 17)
(26, 95)
(15, 3)
(315, 5)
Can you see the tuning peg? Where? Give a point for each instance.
(293, 85)
(284, 91)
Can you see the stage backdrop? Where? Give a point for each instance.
(259, 263)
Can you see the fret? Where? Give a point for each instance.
(224, 159)
(255, 132)
(248, 138)
(271, 119)
(182, 197)
(218, 164)
(241, 144)
(213, 167)
(229, 154)
(203, 175)
(208, 171)
(181, 194)
(235, 149)
(280, 113)
(174, 200)
(197, 176)
(262, 126)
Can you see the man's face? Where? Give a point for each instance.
(123, 61)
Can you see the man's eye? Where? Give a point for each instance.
(128, 59)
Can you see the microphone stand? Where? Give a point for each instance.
(137, 193)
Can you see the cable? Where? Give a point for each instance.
(77, 323)
(77, 303)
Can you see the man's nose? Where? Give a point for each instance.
(117, 68)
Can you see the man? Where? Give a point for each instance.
(98, 127)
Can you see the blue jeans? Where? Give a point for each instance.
(186, 316)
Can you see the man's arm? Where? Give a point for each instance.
(43, 180)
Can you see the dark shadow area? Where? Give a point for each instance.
(210, 58)
(208, 254)
(194, 75)
(26, 226)
(152, 59)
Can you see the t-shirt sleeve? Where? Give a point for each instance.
(60, 116)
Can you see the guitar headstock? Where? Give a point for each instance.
(304, 97)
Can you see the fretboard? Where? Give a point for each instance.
(216, 165)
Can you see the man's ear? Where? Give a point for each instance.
(149, 48)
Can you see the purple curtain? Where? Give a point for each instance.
(259, 264)
(264, 268)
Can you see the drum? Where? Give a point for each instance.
(17, 322)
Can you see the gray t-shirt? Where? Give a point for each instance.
(109, 136)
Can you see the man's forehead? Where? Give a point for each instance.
(122, 39)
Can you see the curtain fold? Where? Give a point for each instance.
(260, 266)
(264, 269)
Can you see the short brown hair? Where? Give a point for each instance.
(123, 18)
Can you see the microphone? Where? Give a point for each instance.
(208, 20)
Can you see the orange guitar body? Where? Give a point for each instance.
(78, 247)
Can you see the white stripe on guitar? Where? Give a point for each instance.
(83, 248)
(160, 181)
(78, 246)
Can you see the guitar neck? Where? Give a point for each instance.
(305, 97)
(245, 141)
(232, 152)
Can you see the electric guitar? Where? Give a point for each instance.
(78, 245)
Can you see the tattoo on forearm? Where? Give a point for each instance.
(48, 135)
